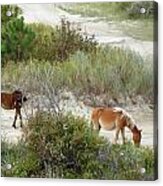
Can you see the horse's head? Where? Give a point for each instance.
(137, 136)
(19, 98)
(17, 95)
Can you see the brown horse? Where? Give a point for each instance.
(115, 119)
(11, 101)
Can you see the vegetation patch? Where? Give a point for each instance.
(57, 146)
(112, 71)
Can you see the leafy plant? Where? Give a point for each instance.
(17, 161)
(61, 146)
(15, 12)
(57, 44)
(16, 40)
(66, 147)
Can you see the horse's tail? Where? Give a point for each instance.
(99, 111)
(96, 113)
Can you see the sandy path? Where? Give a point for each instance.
(105, 32)
(143, 117)
(8, 133)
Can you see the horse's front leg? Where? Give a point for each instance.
(116, 135)
(20, 117)
(15, 118)
(96, 126)
(123, 135)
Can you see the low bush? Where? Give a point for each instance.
(57, 44)
(65, 147)
(17, 161)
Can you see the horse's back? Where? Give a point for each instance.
(7, 100)
(105, 114)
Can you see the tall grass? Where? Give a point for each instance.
(112, 71)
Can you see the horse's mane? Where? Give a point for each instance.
(17, 92)
(124, 114)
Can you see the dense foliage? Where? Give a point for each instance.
(65, 147)
(17, 37)
(16, 41)
(21, 41)
(56, 45)
(15, 12)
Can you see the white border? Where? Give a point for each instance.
(50, 182)
(52, 1)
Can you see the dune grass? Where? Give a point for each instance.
(110, 71)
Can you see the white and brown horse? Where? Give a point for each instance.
(114, 118)
(11, 101)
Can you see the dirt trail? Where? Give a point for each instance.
(8, 133)
(105, 32)
(143, 117)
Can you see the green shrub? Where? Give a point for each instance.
(65, 147)
(37, 41)
(57, 44)
(126, 162)
(16, 41)
(23, 163)
(15, 12)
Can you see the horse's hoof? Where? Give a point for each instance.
(14, 126)
(114, 142)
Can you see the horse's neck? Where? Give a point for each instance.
(130, 124)
(131, 127)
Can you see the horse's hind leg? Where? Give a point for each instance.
(123, 135)
(21, 122)
(96, 126)
(116, 135)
